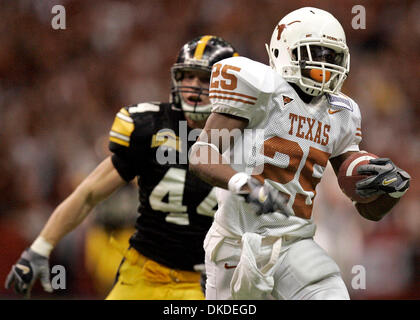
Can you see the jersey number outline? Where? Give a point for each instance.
(308, 177)
(233, 80)
(172, 185)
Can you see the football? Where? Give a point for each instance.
(348, 176)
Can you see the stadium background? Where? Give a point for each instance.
(60, 89)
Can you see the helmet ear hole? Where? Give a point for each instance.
(294, 54)
(179, 75)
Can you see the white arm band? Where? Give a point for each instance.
(202, 143)
(193, 150)
(42, 247)
(237, 181)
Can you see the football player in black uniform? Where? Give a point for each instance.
(149, 141)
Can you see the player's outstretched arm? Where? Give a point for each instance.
(385, 179)
(33, 263)
(206, 155)
(207, 163)
(97, 186)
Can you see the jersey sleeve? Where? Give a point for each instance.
(120, 144)
(129, 138)
(234, 88)
(350, 130)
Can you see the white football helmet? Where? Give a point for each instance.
(308, 47)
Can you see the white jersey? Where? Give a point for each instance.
(297, 140)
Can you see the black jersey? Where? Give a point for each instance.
(151, 141)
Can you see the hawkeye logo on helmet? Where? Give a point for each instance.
(201, 62)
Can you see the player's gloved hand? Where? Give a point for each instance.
(203, 276)
(265, 198)
(26, 271)
(384, 177)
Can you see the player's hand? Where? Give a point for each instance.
(265, 198)
(384, 177)
(26, 271)
(203, 276)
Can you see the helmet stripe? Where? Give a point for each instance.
(199, 50)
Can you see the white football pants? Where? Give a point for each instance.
(301, 270)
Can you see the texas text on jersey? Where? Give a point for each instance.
(168, 231)
(299, 139)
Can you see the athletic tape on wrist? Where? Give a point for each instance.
(237, 181)
(42, 247)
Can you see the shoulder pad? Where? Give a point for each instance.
(238, 85)
(341, 101)
(132, 117)
(122, 128)
(350, 133)
(144, 107)
(254, 74)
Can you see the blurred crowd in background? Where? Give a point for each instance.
(60, 90)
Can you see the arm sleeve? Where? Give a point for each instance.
(351, 132)
(234, 89)
(121, 145)
(124, 168)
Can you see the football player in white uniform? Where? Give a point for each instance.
(261, 243)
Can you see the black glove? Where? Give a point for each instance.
(203, 276)
(384, 177)
(203, 280)
(265, 198)
(26, 271)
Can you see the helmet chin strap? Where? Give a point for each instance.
(195, 112)
(195, 116)
(270, 57)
